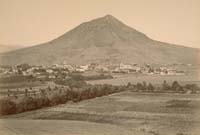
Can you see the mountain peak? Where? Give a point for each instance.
(108, 16)
(107, 19)
(105, 39)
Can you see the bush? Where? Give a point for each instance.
(54, 99)
(193, 87)
(7, 107)
(20, 107)
(39, 103)
(42, 101)
(29, 103)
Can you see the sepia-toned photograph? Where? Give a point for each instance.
(99, 67)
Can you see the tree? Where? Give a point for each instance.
(144, 85)
(151, 70)
(139, 86)
(128, 85)
(175, 85)
(29, 103)
(23, 66)
(7, 107)
(150, 87)
(165, 86)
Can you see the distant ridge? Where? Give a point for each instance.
(7, 48)
(102, 40)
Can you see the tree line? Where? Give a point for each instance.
(164, 87)
(76, 89)
(55, 96)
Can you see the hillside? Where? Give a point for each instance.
(7, 48)
(104, 39)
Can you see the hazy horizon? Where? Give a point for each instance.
(28, 23)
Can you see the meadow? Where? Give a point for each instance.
(146, 113)
(121, 79)
(123, 113)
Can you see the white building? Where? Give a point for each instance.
(84, 67)
(49, 71)
(123, 66)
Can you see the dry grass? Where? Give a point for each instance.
(60, 127)
(148, 113)
(154, 79)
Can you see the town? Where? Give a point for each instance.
(62, 70)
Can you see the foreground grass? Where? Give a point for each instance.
(60, 127)
(146, 112)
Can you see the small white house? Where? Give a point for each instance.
(49, 71)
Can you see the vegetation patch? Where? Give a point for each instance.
(175, 103)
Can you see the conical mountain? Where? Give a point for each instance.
(101, 40)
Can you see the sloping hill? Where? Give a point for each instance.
(7, 48)
(105, 39)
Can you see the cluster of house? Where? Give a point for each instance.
(61, 70)
(39, 72)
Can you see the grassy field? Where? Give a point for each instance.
(154, 79)
(138, 113)
(59, 127)
(19, 85)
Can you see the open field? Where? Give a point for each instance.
(154, 79)
(23, 85)
(19, 85)
(59, 127)
(153, 114)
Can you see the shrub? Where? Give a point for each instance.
(29, 103)
(20, 107)
(53, 100)
(63, 98)
(42, 101)
(193, 87)
(7, 107)
(39, 103)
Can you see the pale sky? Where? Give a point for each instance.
(30, 22)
